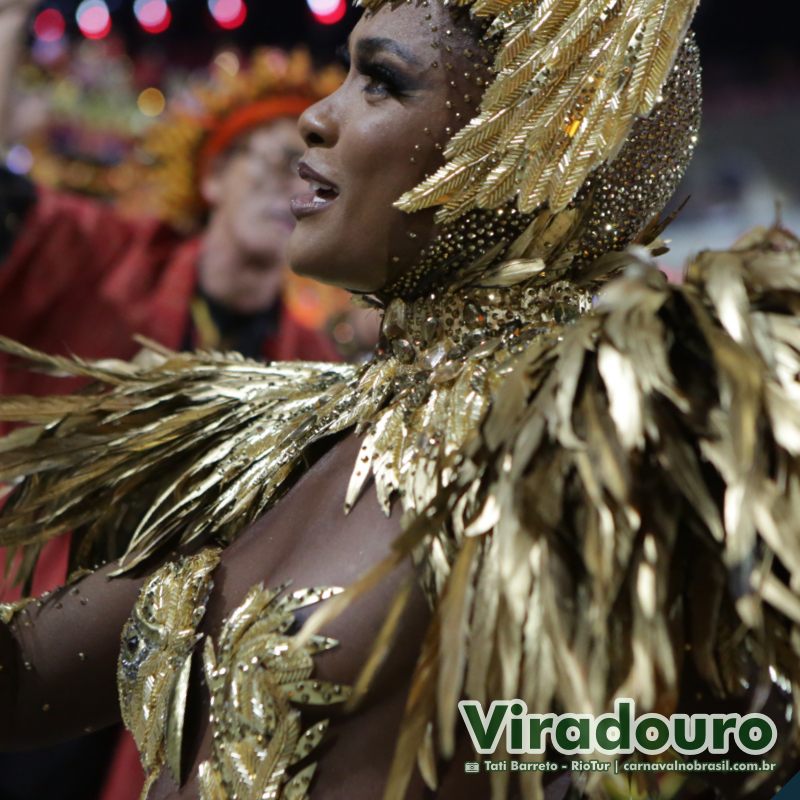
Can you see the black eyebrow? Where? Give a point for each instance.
(371, 46)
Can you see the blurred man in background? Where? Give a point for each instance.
(205, 268)
(77, 276)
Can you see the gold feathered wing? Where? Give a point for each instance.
(163, 453)
(183, 447)
(570, 79)
(643, 464)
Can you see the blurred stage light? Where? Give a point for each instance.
(151, 102)
(19, 160)
(49, 25)
(94, 19)
(154, 15)
(328, 12)
(228, 62)
(228, 14)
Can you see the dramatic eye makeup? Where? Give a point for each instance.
(377, 60)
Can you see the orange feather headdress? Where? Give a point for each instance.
(178, 151)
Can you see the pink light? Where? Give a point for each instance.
(228, 14)
(154, 15)
(328, 12)
(49, 25)
(94, 19)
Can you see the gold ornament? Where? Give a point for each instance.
(258, 683)
(155, 660)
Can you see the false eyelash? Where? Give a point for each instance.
(395, 84)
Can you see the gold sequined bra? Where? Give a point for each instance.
(256, 680)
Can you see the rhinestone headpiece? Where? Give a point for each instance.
(582, 135)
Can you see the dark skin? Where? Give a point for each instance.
(391, 109)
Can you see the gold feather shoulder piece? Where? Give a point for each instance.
(153, 455)
(176, 448)
(631, 503)
(570, 79)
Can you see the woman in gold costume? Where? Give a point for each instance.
(590, 476)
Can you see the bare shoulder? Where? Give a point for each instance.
(307, 538)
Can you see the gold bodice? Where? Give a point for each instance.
(258, 683)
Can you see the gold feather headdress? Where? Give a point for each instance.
(176, 152)
(571, 77)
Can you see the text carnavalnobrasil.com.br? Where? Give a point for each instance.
(617, 766)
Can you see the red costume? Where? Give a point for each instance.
(80, 279)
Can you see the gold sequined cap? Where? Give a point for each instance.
(617, 204)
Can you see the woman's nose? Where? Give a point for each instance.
(318, 124)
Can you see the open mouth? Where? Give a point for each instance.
(322, 193)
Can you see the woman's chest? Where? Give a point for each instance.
(248, 687)
(307, 541)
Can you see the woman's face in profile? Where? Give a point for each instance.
(375, 138)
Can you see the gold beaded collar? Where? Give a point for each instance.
(439, 329)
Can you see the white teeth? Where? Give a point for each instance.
(320, 187)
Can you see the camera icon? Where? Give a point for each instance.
(472, 766)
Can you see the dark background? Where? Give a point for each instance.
(742, 40)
